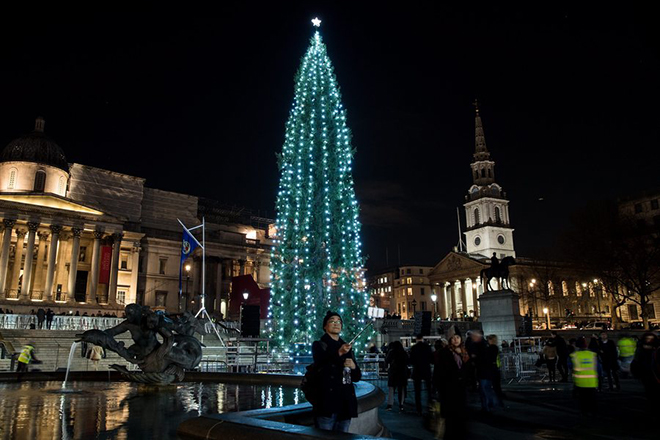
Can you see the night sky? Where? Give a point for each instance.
(195, 101)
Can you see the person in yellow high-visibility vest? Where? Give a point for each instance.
(585, 376)
(627, 347)
(25, 357)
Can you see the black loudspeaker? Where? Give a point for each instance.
(250, 324)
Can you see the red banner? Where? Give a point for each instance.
(106, 261)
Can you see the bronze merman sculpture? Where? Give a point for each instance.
(159, 362)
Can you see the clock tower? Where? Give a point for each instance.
(486, 206)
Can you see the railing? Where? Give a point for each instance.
(60, 322)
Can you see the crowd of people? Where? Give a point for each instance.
(453, 368)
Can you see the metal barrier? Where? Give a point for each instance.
(60, 322)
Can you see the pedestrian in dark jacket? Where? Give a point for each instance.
(397, 373)
(421, 358)
(494, 359)
(338, 370)
(439, 345)
(41, 317)
(453, 362)
(609, 356)
(646, 357)
(562, 355)
(49, 318)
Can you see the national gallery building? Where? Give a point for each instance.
(79, 238)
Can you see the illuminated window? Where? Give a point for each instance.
(121, 297)
(409, 280)
(410, 291)
(551, 288)
(578, 289)
(564, 288)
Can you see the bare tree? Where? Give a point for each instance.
(622, 253)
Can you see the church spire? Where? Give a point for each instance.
(480, 150)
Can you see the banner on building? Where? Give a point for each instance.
(106, 261)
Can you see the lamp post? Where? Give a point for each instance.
(414, 305)
(434, 298)
(546, 311)
(187, 267)
(598, 296)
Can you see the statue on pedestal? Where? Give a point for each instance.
(498, 270)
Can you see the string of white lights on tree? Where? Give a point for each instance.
(316, 263)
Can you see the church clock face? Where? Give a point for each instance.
(477, 241)
(500, 239)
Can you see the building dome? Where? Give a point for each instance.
(35, 147)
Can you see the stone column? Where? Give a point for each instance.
(52, 253)
(475, 301)
(453, 300)
(464, 299)
(441, 301)
(73, 268)
(114, 267)
(29, 258)
(18, 257)
(96, 251)
(39, 267)
(4, 254)
(61, 267)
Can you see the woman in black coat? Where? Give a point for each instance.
(337, 403)
(452, 362)
(397, 373)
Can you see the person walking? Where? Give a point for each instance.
(585, 376)
(562, 355)
(49, 318)
(609, 357)
(453, 362)
(642, 368)
(26, 356)
(495, 361)
(550, 356)
(421, 358)
(626, 346)
(397, 373)
(338, 370)
(41, 317)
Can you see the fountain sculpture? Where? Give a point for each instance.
(160, 363)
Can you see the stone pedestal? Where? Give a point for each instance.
(500, 314)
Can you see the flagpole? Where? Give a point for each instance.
(203, 263)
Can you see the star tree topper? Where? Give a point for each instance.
(316, 22)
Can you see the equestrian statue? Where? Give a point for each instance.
(498, 270)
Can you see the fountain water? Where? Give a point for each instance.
(68, 365)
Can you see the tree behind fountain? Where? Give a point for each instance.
(316, 263)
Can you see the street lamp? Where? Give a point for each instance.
(546, 311)
(414, 305)
(434, 298)
(187, 267)
(245, 295)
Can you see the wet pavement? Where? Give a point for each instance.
(538, 411)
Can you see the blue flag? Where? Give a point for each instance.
(188, 246)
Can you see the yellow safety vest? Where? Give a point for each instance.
(585, 374)
(26, 354)
(626, 347)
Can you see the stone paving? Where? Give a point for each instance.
(539, 411)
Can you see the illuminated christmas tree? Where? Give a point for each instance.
(316, 263)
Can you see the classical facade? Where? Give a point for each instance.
(77, 237)
(403, 290)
